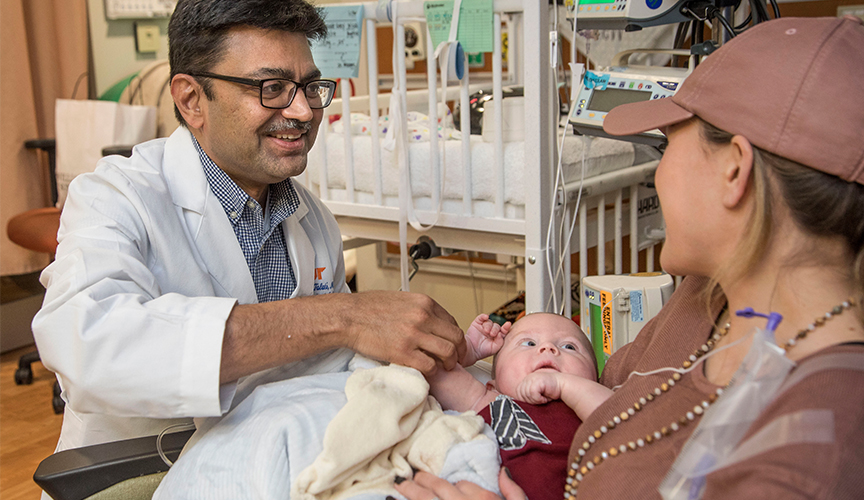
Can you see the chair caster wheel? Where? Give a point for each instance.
(23, 376)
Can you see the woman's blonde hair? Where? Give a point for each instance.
(820, 204)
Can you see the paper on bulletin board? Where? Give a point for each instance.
(338, 55)
(475, 31)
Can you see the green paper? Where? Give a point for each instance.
(475, 31)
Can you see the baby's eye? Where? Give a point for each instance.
(572, 347)
(529, 343)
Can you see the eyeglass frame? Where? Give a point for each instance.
(260, 84)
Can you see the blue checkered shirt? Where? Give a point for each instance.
(258, 230)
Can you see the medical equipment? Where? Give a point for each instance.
(494, 196)
(602, 90)
(629, 15)
(616, 307)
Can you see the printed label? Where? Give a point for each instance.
(636, 314)
(605, 299)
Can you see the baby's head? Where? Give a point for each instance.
(542, 341)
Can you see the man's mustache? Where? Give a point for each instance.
(289, 124)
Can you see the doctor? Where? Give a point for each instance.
(197, 269)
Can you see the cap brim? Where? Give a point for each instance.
(638, 117)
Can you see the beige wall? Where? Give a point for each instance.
(114, 54)
(454, 293)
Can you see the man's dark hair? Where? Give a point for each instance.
(196, 32)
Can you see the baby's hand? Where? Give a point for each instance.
(539, 388)
(484, 338)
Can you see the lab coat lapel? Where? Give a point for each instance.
(300, 250)
(206, 222)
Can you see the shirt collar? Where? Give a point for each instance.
(282, 199)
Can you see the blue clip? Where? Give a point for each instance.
(774, 319)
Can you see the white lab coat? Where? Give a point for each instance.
(147, 271)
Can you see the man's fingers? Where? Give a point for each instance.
(441, 349)
(442, 313)
(422, 362)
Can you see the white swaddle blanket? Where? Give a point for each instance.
(277, 443)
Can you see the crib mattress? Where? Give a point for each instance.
(603, 155)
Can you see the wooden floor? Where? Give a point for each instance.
(28, 427)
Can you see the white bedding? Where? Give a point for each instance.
(605, 155)
(278, 441)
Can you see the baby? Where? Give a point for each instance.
(544, 382)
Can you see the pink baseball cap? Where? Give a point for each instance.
(792, 86)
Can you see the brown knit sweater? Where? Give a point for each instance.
(834, 470)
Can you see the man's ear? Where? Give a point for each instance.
(188, 97)
(738, 170)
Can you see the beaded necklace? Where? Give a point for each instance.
(581, 466)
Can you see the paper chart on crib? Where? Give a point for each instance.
(338, 55)
(475, 31)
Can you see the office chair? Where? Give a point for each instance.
(36, 230)
(129, 470)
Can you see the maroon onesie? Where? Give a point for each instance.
(534, 441)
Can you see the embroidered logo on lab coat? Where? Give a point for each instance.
(321, 284)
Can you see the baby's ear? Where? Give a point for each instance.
(491, 385)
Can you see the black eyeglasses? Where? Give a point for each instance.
(278, 93)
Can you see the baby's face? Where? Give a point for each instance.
(542, 342)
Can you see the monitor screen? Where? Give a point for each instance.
(605, 100)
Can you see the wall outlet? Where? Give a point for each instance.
(146, 38)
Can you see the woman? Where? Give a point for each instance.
(762, 189)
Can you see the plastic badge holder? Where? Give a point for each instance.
(712, 444)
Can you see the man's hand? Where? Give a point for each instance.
(404, 328)
(485, 338)
(409, 329)
(539, 388)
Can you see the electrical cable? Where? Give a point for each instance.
(162, 455)
(559, 176)
(680, 34)
(716, 14)
(586, 146)
(741, 27)
(775, 8)
(473, 282)
(692, 367)
(759, 13)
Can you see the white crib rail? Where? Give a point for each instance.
(592, 229)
